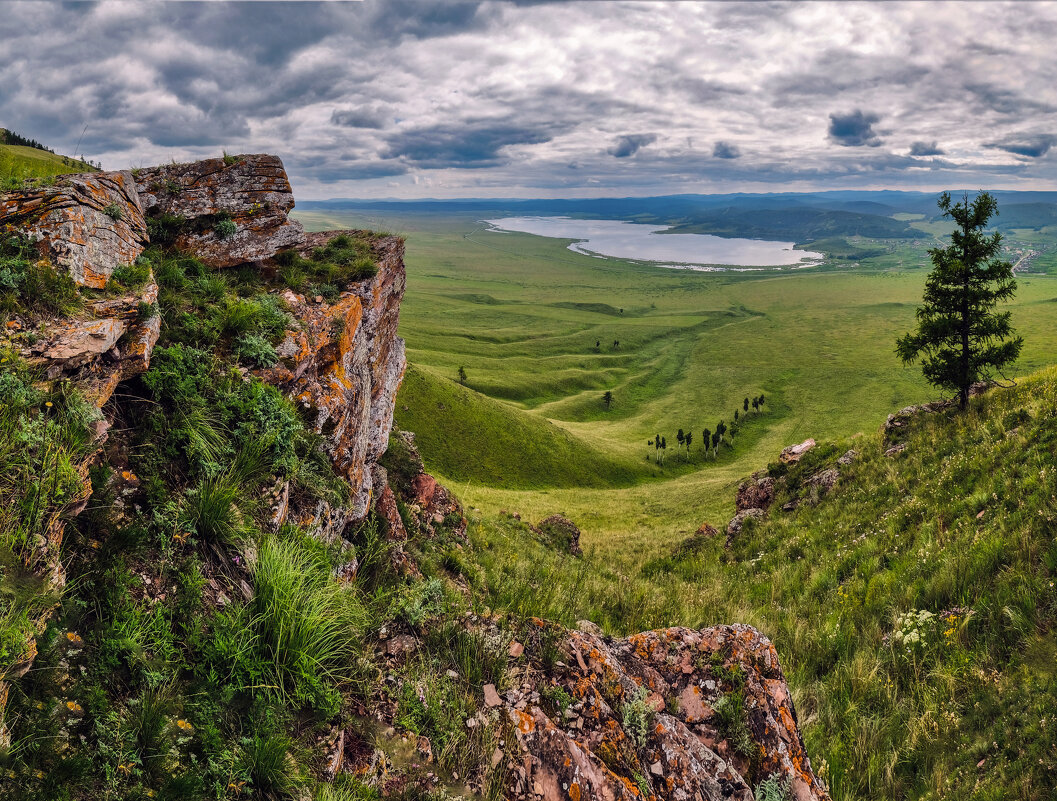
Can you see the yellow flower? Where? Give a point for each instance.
(183, 724)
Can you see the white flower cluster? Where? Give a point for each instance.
(913, 627)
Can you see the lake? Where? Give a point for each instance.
(626, 240)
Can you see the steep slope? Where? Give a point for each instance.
(484, 440)
(907, 578)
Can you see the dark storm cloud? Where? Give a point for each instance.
(854, 130)
(725, 150)
(412, 18)
(1002, 99)
(359, 118)
(925, 149)
(472, 144)
(630, 144)
(1033, 147)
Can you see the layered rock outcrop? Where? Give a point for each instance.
(86, 224)
(343, 362)
(251, 193)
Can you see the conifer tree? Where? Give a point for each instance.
(706, 439)
(960, 339)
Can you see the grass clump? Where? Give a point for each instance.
(343, 260)
(31, 284)
(310, 626)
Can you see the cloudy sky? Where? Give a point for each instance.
(420, 98)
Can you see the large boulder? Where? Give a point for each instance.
(792, 454)
(645, 719)
(737, 523)
(87, 224)
(198, 201)
(561, 533)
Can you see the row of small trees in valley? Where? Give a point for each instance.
(710, 439)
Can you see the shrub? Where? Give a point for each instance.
(637, 714)
(255, 349)
(131, 276)
(114, 212)
(773, 788)
(30, 283)
(225, 229)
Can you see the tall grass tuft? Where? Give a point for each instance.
(310, 626)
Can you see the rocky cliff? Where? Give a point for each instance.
(342, 360)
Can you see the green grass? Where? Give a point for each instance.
(959, 526)
(521, 314)
(19, 163)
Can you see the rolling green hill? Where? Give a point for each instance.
(20, 162)
(486, 441)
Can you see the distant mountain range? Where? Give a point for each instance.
(803, 217)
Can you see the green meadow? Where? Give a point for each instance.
(529, 432)
(19, 163)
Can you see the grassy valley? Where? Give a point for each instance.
(522, 314)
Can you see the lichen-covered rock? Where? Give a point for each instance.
(792, 454)
(87, 224)
(343, 362)
(756, 493)
(645, 721)
(824, 480)
(112, 343)
(250, 192)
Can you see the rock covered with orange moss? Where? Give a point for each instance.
(343, 363)
(670, 714)
(250, 192)
(88, 224)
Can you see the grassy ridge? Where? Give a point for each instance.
(914, 607)
(19, 163)
(487, 441)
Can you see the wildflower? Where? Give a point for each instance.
(74, 707)
(183, 724)
(125, 768)
(74, 638)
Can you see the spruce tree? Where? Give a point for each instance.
(960, 339)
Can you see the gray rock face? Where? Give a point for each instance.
(756, 493)
(89, 224)
(251, 192)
